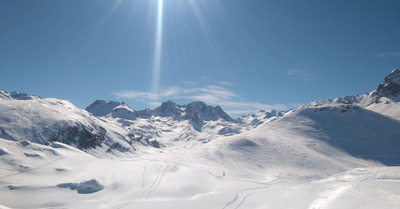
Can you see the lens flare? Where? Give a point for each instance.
(212, 42)
(157, 49)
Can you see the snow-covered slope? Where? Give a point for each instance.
(366, 126)
(60, 176)
(45, 121)
(355, 129)
(259, 118)
(366, 188)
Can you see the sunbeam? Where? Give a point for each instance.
(109, 14)
(157, 49)
(213, 44)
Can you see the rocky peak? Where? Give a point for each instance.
(167, 108)
(197, 111)
(196, 106)
(102, 107)
(390, 87)
(16, 95)
(4, 94)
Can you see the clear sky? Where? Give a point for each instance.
(244, 55)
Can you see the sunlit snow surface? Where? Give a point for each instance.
(37, 176)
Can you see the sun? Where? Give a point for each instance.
(189, 11)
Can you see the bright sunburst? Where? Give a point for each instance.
(190, 11)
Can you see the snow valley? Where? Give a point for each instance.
(337, 153)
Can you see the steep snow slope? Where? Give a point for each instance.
(359, 131)
(43, 121)
(366, 126)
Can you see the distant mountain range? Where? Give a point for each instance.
(366, 126)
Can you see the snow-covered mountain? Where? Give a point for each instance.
(260, 117)
(351, 123)
(390, 86)
(384, 100)
(196, 120)
(116, 110)
(49, 120)
(366, 126)
(102, 108)
(195, 112)
(325, 154)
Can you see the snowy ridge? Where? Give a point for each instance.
(355, 129)
(16, 95)
(260, 118)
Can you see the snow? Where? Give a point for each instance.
(354, 129)
(327, 154)
(183, 178)
(44, 120)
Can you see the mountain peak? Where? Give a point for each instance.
(390, 85)
(167, 108)
(199, 105)
(102, 107)
(197, 111)
(394, 76)
(16, 95)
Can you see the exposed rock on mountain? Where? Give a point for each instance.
(390, 87)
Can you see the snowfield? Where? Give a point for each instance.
(37, 176)
(338, 153)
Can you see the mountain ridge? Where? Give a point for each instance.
(108, 125)
(195, 111)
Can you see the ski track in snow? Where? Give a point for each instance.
(143, 193)
(162, 169)
(242, 195)
(139, 190)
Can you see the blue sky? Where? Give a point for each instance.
(244, 55)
